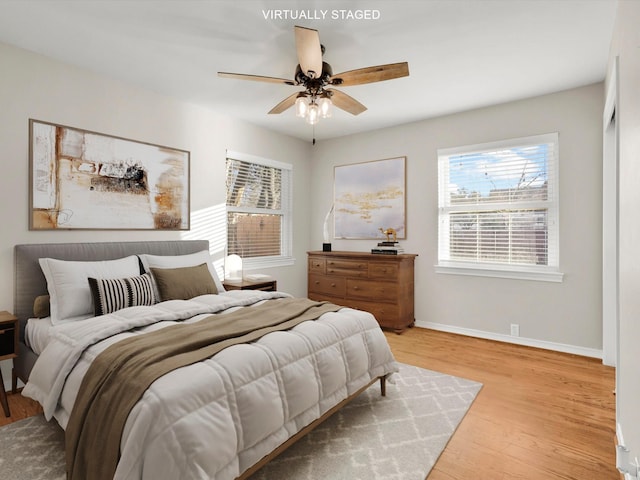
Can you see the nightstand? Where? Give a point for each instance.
(8, 350)
(264, 285)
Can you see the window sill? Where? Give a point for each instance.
(267, 262)
(500, 272)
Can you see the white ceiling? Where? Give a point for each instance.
(462, 54)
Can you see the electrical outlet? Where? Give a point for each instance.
(515, 330)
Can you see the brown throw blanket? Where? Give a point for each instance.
(119, 376)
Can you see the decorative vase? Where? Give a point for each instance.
(326, 245)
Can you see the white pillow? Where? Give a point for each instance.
(179, 261)
(68, 284)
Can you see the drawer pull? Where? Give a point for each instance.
(333, 284)
(356, 288)
(317, 282)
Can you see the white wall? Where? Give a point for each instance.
(626, 46)
(566, 315)
(32, 86)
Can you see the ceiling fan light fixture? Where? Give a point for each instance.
(313, 114)
(326, 106)
(302, 108)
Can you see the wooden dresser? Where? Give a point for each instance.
(380, 284)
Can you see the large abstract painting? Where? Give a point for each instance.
(87, 180)
(369, 198)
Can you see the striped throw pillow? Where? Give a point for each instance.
(112, 294)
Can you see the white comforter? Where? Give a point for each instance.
(214, 419)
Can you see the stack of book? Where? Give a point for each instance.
(387, 248)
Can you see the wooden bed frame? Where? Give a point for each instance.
(29, 283)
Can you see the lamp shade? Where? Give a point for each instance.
(325, 105)
(301, 107)
(313, 115)
(233, 268)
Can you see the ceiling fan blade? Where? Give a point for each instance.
(345, 102)
(309, 51)
(378, 73)
(255, 78)
(285, 104)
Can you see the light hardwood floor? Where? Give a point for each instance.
(540, 415)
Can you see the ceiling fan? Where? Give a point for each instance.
(316, 76)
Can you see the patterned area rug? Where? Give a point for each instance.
(397, 437)
(32, 449)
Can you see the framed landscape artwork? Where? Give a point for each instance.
(369, 198)
(87, 180)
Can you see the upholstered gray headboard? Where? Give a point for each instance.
(29, 281)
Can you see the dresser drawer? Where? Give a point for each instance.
(373, 290)
(383, 270)
(327, 285)
(317, 265)
(351, 268)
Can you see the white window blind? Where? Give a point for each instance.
(258, 209)
(498, 207)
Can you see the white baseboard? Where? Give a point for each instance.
(529, 342)
(620, 441)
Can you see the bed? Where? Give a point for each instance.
(222, 417)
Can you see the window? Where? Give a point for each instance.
(498, 209)
(259, 202)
